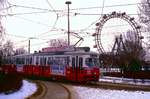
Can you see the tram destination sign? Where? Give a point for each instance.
(60, 48)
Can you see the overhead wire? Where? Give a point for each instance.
(16, 35)
(37, 22)
(103, 5)
(51, 27)
(99, 14)
(51, 6)
(35, 8)
(55, 22)
(87, 8)
(12, 14)
(53, 10)
(6, 8)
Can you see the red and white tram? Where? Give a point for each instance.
(78, 64)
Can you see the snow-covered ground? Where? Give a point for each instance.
(26, 90)
(125, 80)
(96, 93)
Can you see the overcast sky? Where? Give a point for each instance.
(53, 24)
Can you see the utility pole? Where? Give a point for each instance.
(68, 3)
(29, 44)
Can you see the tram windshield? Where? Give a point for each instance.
(91, 62)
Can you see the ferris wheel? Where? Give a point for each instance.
(99, 44)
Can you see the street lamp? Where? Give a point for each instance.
(68, 3)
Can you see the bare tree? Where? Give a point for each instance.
(144, 15)
(133, 54)
(133, 45)
(8, 49)
(58, 43)
(20, 51)
(4, 5)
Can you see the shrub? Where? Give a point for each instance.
(10, 82)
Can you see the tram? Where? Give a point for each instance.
(73, 64)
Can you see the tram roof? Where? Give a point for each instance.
(61, 53)
(66, 53)
(75, 51)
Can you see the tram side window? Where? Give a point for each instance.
(56, 61)
(44, 60)
(41, 61)
(19, 60)
(37, 60)
(14, 60)
(65, 61)
(27, 60)
(73, 62)
(30, 60)
(68, 60)
(50, 61)
(80, 62)
(91, 62)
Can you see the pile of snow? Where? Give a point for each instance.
(26, 90)
(96, 93)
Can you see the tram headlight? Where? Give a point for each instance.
(68, 72)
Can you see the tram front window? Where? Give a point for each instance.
(91, 62)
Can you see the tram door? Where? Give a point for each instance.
(76, 65)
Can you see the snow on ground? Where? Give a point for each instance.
(26, 90)
(125, 80)
(96, 93)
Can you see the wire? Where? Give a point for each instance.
(33, 21)
(87, 8)
(103, 6)
(35, 8)
(6, 8)
(12, 14)
(51, 7)
(51, 28)
(96, 20)
(16, 35)
(57, 17)
(58, 34)
(96, 14)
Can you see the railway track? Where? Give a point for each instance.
(48, 88)
(69, 93)
(120, 86)
(41, 90)
(51, 90)
(111, 85)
